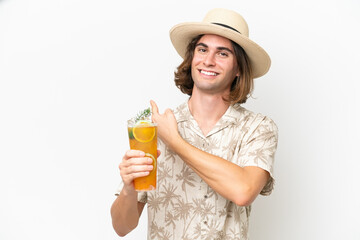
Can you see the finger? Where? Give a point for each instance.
(136, 162)
(130, 173)
(133, 153)
(139, 174)
(154, 108)
(136, 169)
(168, 111)
(135, 165)
(158, 152)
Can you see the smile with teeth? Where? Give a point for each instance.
(208, 73)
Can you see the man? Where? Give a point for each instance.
(216, 156)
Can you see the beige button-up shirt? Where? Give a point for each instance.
(183, 206)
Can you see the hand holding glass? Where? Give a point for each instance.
(143, 136)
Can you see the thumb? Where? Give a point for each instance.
(154, 108)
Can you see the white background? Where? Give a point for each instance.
(73, 71)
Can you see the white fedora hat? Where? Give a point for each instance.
(225, 23)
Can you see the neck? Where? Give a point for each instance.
(207, 110)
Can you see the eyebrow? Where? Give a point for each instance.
(218, 48)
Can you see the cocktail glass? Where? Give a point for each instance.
(143, 136)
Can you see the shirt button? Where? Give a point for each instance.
(205, 222)
(206, 196)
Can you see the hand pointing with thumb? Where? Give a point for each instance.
(166, 125)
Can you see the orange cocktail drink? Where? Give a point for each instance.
(143, 136)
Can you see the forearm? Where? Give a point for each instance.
(238, 184)
(228, 179)
(125, 212)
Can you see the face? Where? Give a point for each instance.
(214, 65)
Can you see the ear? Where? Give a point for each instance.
(238, 71)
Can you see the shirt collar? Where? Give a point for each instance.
(230, 117)
(233, 113)
(182, 112)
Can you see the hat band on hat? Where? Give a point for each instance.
(224, 25)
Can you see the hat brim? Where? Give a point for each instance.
(183, 33)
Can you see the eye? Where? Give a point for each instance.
(223, 54)
(201, 50)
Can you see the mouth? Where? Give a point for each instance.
(208, 73)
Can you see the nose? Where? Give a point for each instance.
(209, 59)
